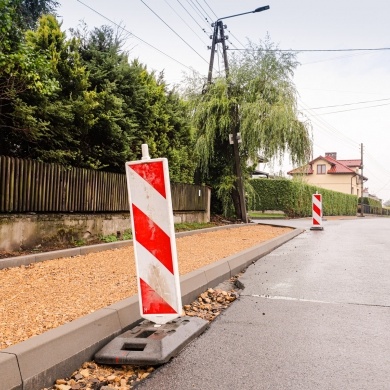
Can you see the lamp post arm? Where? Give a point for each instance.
(260, 9)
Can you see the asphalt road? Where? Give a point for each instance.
(314, 314)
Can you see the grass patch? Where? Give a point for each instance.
(127, 234)
(186, 226)
(260, 215)
(109, 238)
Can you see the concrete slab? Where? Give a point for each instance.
(9, 365)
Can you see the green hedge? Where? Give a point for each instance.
(371, 202)
(294, 198)
(372, 206)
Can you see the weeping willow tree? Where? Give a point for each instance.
(258, 99)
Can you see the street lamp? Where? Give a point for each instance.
(218, 25)
(249, 12)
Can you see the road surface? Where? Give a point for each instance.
(314, 314)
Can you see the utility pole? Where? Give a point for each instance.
(212, 47)
(219, 27)
(361, 178)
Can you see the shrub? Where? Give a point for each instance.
(294, 198)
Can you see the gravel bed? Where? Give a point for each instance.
(42, 296)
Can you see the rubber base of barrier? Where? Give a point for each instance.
(151, 344)
(316, 228)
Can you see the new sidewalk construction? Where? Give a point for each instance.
(40, 360)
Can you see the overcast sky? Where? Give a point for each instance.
(173, 35)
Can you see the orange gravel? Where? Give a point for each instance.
(42, 296)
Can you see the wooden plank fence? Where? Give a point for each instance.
(33, 186)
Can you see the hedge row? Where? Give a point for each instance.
(294, 198)
(372, 206)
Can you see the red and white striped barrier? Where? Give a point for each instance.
(154, 238)
(317, 212)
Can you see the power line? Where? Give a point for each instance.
(228, 30)
(135, 36)
(349, 104)
(341, 91)
(337, 58)
(183, 21)
(327, 127)
(196, 9)
(353, 109)
(236, 40)
(210, 9)
(185, 9)
(371, 157)
(321, 124)
(203, 10)
(175, 32)
(321, 50)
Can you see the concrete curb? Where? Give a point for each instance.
(37, 362)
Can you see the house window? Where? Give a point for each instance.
(321, 169)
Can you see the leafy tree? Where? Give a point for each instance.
(137, 107)
(59, 137)
(259, 99)
(108, 141)
(22, 69)
(29, 11)
(79, 102)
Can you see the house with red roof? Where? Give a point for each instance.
(336, 175)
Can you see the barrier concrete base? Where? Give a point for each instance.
(151, 344)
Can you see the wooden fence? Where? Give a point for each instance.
(33, 186)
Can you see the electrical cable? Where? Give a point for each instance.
(185, 9)
(135, 36)
(184, 21)
(324, 50)
(348, 104)
(337, 58)
(324, 126)
(210, 9)
(236, 40)
(142, 1)
(203, 10)
(377, 163)
(193, 6)
(352, 109)
(327, 127)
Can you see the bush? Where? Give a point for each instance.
(294, 198)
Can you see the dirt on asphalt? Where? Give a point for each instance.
(42, 296)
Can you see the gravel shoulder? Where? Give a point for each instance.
(42, 296)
